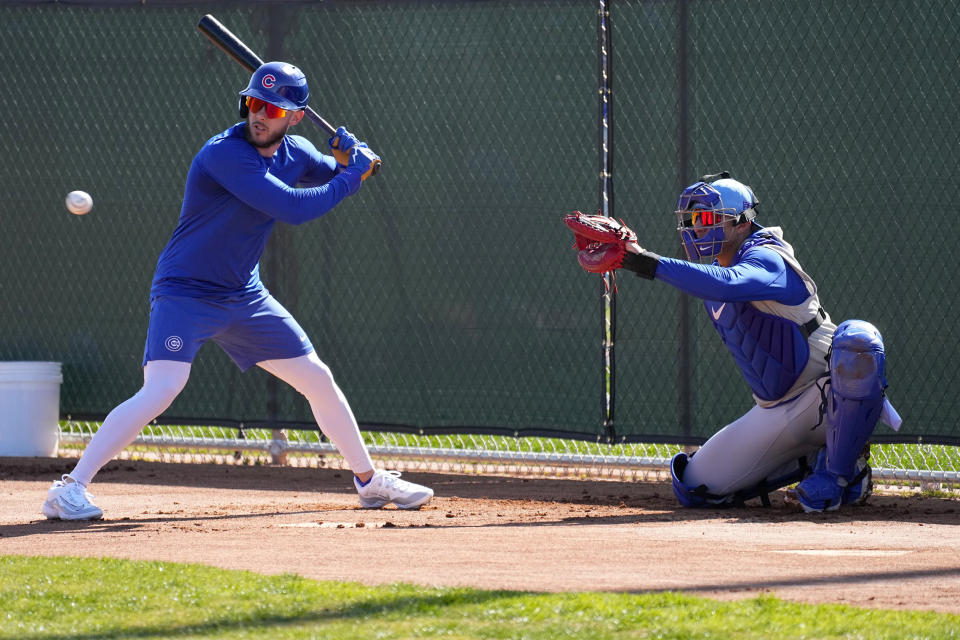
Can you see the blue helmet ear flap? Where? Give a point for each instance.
(244, 109)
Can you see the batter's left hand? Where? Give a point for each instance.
(363, 160)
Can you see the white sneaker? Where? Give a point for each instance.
(386, 486)
(69, 500)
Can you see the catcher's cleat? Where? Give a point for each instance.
(820, 491)
(825, 491)
(69, 500)
(386, 487)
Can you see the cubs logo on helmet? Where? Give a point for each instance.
(279, 83)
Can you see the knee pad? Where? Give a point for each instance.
(857, 383)
(696, 496)
(685, 495)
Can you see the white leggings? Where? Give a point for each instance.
(757, 445)
(163, 380)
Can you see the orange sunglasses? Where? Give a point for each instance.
(701, 217)
(273, 111)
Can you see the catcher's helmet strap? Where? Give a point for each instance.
(747, 215)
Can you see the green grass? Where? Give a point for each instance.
(72, 598)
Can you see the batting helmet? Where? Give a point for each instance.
(705, 205)
(278, 83)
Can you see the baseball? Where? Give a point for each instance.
(79, 202)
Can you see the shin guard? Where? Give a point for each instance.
(857, 383)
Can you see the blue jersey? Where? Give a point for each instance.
(232, 199)
(764, 311)
(760, 274)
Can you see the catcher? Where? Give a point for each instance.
(819, 388)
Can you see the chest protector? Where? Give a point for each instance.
(771, 342)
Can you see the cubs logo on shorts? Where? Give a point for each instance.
(250, 330)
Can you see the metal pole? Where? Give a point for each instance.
(609, 317)
(684, 399)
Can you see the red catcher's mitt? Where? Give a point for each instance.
(601, 242)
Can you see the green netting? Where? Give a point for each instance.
(427, 314)
(445, 296)
(841, 116)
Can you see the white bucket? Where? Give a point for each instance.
(29, 408)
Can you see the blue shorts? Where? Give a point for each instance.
(250, 331)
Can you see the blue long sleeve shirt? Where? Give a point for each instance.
(760, 274)
(232, 199)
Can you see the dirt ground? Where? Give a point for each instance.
(897, 552)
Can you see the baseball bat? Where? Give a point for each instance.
(234, 47)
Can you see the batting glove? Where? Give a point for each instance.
(340, 144)
(362, 160)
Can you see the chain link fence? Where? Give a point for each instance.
(915, 467)
(839, 115)
(444, 296)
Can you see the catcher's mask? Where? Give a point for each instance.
(704, 206)
(279, 84)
